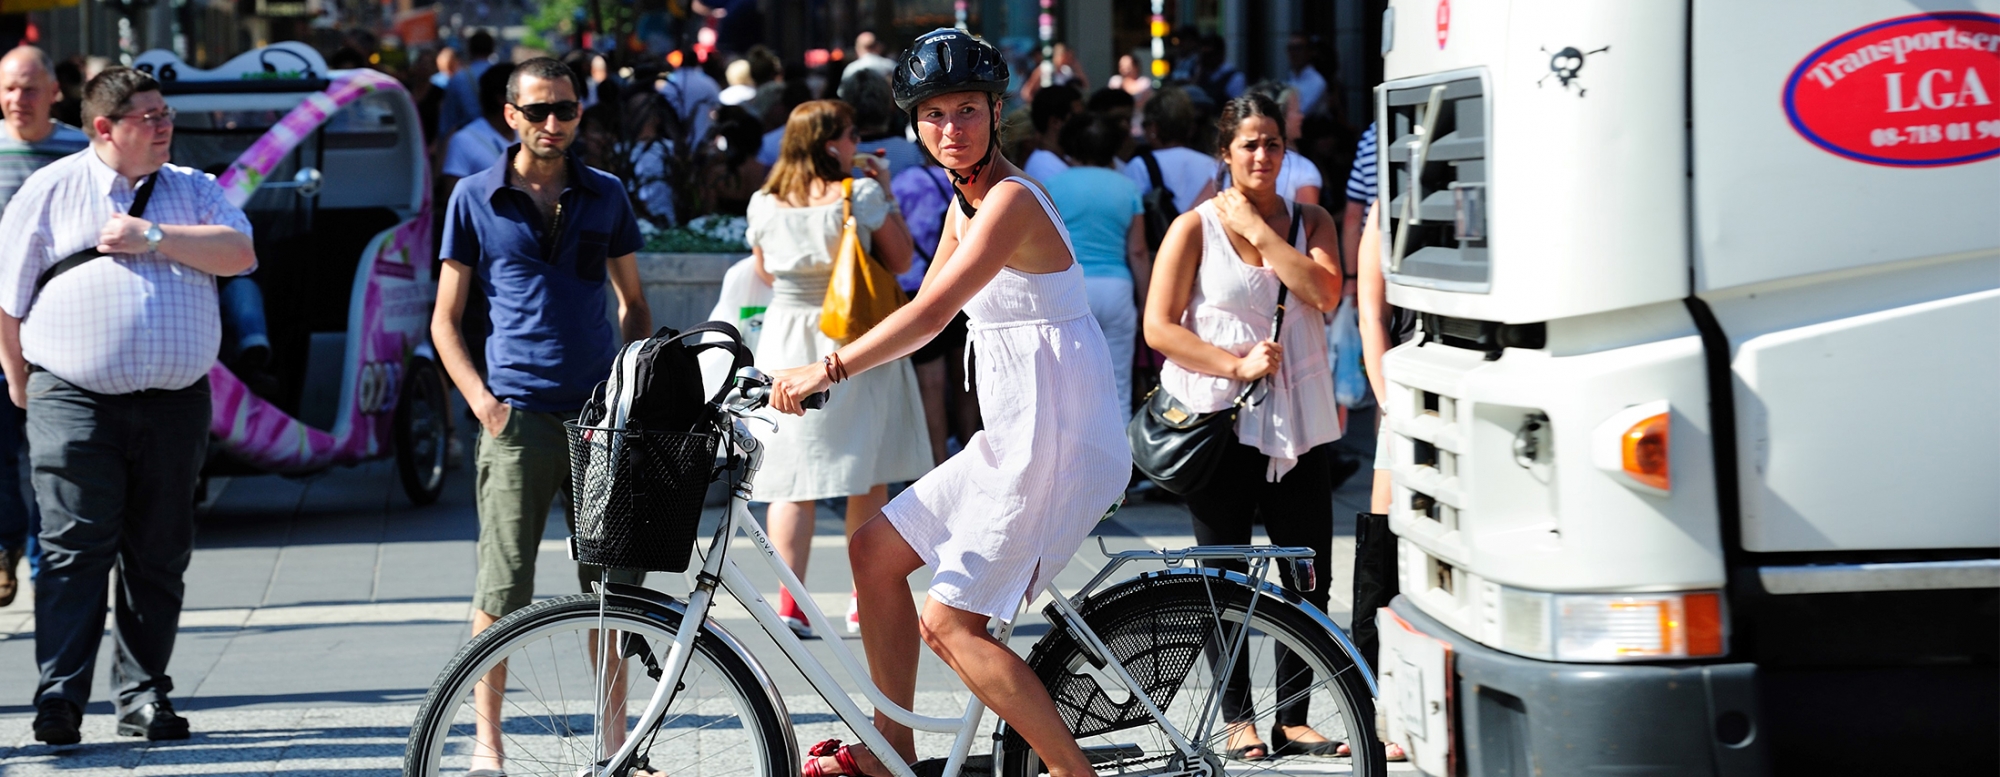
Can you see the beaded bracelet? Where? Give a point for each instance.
(836, 371)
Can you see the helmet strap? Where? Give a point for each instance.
(992, 147)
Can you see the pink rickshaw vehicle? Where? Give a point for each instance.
(330, 167)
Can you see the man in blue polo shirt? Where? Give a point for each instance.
(541, 233)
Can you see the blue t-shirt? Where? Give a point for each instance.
(1097, 205)
(552, 338)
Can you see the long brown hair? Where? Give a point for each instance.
(802, 156)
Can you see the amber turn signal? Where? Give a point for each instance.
(1645, 452)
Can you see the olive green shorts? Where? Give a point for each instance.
(520, 475)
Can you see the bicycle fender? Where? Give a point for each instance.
(712, 630)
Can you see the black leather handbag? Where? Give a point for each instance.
(1179, 448)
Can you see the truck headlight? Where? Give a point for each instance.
(1611, 627)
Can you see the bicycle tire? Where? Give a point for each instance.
(721, 712)
(1158, 626)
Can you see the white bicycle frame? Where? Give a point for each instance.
(717, 570)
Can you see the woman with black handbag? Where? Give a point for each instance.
(1253, 376)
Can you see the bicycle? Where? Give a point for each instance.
(1154, 711)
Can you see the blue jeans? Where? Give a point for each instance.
(243, 327)
(20, 518)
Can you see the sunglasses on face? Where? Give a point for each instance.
(539, 112)
(159, 119)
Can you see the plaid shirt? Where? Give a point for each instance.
(121, 323)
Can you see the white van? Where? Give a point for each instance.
(1695, 455)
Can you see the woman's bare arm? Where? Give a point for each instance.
(1314, 275)
(1166, 303)
(1371, 301)
(893, 244)
(949, 286)
(1139, 260)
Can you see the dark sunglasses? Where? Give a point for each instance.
(539, 112)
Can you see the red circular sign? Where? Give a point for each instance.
(1443, 21)
(1914, 91)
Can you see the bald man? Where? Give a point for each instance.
(29, 141)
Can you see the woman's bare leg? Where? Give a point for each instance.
(1004, 682)
(861, 507)
(790, 525)
(930, 386)
(882, 563)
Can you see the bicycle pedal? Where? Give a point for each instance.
(975, 765)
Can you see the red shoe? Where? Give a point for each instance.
(841, 757)
(794, 618)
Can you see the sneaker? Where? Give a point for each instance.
(10, 560)
(853, 613)
(794, 618)
(57, 722)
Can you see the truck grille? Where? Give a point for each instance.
(1447, 241)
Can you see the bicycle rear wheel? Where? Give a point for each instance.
(1172, 632)
(561, 716)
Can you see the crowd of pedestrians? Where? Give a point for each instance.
(1178, 217)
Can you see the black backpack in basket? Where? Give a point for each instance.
(656, 383)
(642, 452)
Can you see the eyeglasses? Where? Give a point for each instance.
(539, 112)
(160, 119)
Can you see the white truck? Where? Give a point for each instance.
(1695, 453)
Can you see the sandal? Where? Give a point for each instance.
(841, 757)
(1283, 745)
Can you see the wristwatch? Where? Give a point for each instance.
(153, 237)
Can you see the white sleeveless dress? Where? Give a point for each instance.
(1002, 517)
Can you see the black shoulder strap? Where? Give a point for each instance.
(1278, 318)
(1153, 169)
(75, 260)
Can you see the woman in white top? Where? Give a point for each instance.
(872, 433)
(1215, 295)
(1002, 517)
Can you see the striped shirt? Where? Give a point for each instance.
(1361, 179)
(121, 323)
(19, 159)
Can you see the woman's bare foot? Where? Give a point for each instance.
(1304, 735)
(831, 758)
(1244, 745)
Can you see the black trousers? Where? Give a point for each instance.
(115, 477)
(1296, 511)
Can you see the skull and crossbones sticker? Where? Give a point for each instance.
(1566, 66)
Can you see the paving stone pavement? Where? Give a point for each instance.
(320, 610)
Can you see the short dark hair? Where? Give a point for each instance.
(764, 64)
(1172, 115)
(1107, 99)
(545, 68)
(1052, 104)
(874, 105)
(495, 87)
(480, 45)
(110, 93)
(1093, 138)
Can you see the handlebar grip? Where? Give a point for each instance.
(815, 401)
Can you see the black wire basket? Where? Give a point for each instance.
(636, 496)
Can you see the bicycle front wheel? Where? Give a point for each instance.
(558, 714)
(1175, 633)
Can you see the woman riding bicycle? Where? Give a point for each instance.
(1001, 518)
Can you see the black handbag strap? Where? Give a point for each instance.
(1278, 316)
(77, 259)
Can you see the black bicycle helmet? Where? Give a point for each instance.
(947, 60)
